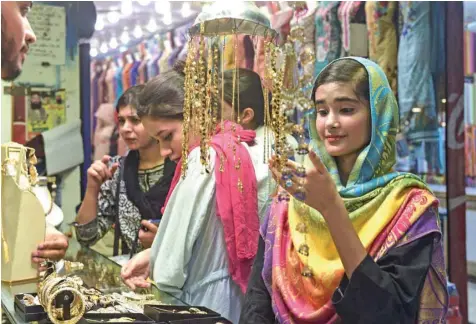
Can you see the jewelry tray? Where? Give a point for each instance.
(90, 318)
(209, 320)
(166, 314)
(36, 313)
(33, 313)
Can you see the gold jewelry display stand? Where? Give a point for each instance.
(23, 218)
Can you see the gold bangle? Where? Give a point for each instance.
(49, 287)
(78, 309)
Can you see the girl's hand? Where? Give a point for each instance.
(314, 185)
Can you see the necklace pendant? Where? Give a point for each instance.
(304, 249)
(301, 228)
(306, 272)
(283, 196)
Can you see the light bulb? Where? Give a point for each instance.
(94, 42)
(157, 7)
(126, 7)
(152, 25)
(137, 32)
(167, 18)
(186, 10)
(162, 7)
(416, 110)
(93, 52)
(113, 43)
(103, 48)
(99, 24)
(125, 38)
(113, 17)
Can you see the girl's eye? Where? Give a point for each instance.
(121, 121)
(322, 112)
(347, 110)
(168, 137)
(135, 120)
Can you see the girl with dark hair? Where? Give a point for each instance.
(208, 237)
(126, 191)
(251, 102)
(349, 241)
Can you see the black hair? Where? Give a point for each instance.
(251, 93)
(163, 95)
(345, 70)
(130, 98)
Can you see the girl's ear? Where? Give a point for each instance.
(247, 117)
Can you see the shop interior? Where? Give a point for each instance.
(89, 53)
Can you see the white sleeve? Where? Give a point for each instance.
(187, 211)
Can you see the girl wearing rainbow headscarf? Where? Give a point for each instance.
(347, 240)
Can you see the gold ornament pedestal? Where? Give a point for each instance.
(23, 218)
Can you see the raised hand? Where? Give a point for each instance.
(99, 172)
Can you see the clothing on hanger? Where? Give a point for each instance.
(163, 62)
(414, 59)
(328, 34)
(347, 13)
(126, 73)
(110, 83)
(383, 37)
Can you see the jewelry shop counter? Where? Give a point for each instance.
(98, 273)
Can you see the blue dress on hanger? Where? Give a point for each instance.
(119, 86)
(135, 73)
(415, 84)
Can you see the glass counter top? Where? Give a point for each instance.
(99, 272)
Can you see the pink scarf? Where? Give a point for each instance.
(237, 209)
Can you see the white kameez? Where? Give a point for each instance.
(189, 257)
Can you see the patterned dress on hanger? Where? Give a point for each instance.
(383, 37)
(328, 34)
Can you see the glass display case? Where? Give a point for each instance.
(99, 272)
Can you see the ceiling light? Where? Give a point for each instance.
(99, 23)
(113, 43)
(167, 18)
(94, 42)
(152, 25)
(137, 32)
(126, 7)
(103, 48)
(416, 110)
(93, 52)
(186, 10)
(113, 17)
(162, 7)
(125, 37)
(143, 2)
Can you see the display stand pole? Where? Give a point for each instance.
(455, 158)
(85, 100)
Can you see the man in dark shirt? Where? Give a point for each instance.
(17, 36)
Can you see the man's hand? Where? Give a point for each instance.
(53, 248)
